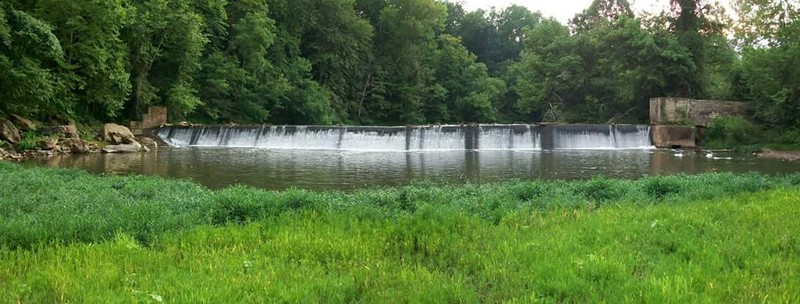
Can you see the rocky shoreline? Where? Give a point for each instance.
(22, 139)
(784, 155)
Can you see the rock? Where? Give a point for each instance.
(124, 148)
(149, 143)
(93, 147)
(38, 154)
(22, 123)
(62, 131)
(9, 155)
(50, 143)
(9, 132)
(117, 135)
(77, 146)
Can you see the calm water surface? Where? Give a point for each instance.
(343, 170)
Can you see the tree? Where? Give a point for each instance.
(165, 42)
(31, 59)
(94, 54)
(604, 74)
(238, 81)
(400, 80)
(338, 45)
(600, 11)
(469, 93)
(770, 54)
(496, 37)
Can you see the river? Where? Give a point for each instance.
(277, 169)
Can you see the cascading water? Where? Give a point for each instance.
(416, 138)
(373, 139)
(605, 137)
(299, 137)
(508, 137)
(437, 138)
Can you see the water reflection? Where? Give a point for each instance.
(320, 170)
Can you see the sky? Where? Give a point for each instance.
(563, 10)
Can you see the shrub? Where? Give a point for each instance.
(237, 205)
(661, 187)
(731, 132)
(791, 137)
(600, 190)
(30, 141)
(525, 191)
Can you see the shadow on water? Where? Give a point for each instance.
(344, 170)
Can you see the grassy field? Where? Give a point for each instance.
(68, 236)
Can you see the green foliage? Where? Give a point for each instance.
(387, 62)
(790, 137)
(732, 131)
(30, 59)
(45, 205)
(563, 77)
(31, 141)
(712, 237)
(601, 190)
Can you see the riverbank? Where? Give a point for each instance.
(22, 139)
(70, 236)
(784, 155)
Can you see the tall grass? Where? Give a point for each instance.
(41, 205)
(67, 236)
(742, 250)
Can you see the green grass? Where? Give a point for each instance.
(67, 236)
(783, 147)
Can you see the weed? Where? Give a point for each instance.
(662, 187)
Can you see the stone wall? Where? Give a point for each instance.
(155, 117)
(674, 137)
(693, 112)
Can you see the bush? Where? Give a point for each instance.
(791, 137)
(526, 191)
(731, 132)
(601, 190)
(661, 187)
(30, 141)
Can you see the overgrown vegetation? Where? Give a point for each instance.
(734, 132)
(389, 61)
(68, 236)
(744, 136)
(46, 205)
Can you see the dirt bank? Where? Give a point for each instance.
(786, 155)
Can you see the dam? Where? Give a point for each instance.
(413, 138)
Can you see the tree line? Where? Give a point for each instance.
(388, 62)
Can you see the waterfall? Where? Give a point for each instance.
(412, 138)
(508, 137)
(437, 138)
(374, 139)
(297, 137)
(601, 137)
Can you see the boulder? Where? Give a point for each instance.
(149, 143)
(123, 148)
(9, 132)
(9, 155)
(94, 147)
(22, 123)
(77, 146)
(50, 143)
(62, 131)
(117, 135)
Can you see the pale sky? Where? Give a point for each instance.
(563, 10)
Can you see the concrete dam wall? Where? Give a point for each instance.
(413, 138)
